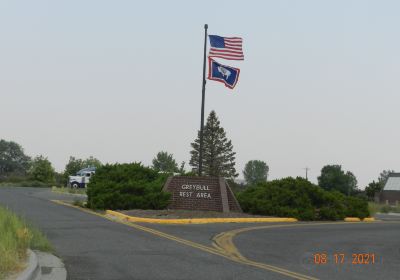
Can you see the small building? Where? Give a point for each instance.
(391, 191)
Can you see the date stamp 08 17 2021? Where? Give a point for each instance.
(341, 258)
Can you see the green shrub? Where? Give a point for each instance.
(79, 203)
(385, 209)
(127, 186)
(41, 170)
(395, 209)
(331, 205)
(287, 198)
(373, 207)
(356, 207)
(301, 199)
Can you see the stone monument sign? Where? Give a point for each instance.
(201, 193)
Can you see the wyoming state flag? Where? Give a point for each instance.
(223, 73)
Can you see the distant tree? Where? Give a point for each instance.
(255, 171)
(59, 179)
(13, 160)
(42, 170)
(376, 187)
(165, 162)
(372, 189)
(218, 155)
(73, 166)
(383, 176)
(334, 178)
(236, 186)
(91, 162)
(182, 168)
(351, 183)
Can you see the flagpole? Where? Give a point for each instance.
(203, 95)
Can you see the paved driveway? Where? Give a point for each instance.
(96, 248)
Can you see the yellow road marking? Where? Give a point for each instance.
(199, 220)
(215, 251)
(223, 242)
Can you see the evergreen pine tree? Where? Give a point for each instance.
(218, 155)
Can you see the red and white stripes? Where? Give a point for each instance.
(232, 50)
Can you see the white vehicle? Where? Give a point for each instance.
(82, 178)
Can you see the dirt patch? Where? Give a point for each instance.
(184, 214)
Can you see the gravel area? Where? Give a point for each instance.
(182, 214)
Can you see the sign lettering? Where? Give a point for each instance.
(200, 191)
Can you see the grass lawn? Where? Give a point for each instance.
(24, 183)
(16, 236)
(68, 190)
(382, 208)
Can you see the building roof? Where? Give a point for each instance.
(393, 182)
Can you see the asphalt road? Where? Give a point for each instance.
(96, 248)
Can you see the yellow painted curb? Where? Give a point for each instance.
(352, 219)
(198, 220)
(369, 219)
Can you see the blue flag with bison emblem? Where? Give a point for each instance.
(222, 73)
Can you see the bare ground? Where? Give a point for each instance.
(184, 214)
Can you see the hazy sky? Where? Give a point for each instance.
(121, 80)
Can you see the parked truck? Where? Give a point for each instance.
(82, 178)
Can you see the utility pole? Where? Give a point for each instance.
(306, 169)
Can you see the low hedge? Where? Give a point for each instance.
(298, 198)
(127, 186)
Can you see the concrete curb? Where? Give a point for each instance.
(198, 220)
(369, 219)
(51, 267)
(355, 219)
(43, 266)
(32, 272)
(391, 213)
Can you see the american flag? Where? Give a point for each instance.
(226, 47)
